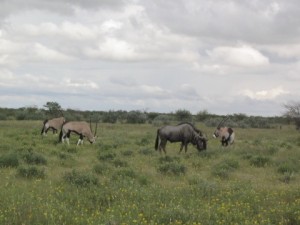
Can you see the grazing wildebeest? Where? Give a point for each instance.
(82, 128)
(225, 133)
(54, 124)
(184, 132)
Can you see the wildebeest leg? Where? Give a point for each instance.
(181, 147)
(185, 147)
(163, 145)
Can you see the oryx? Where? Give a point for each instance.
(225, 133)
(82, 128)
(55, 124)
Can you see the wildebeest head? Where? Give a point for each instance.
(200, 142)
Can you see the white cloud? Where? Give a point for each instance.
(162, 55)
(44, 53)
(265, 94)
(244, 55)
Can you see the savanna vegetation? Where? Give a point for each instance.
(121, 179)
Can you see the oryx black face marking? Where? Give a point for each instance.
(81, 128)
(226, 134)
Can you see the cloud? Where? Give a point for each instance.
(265, 94)
(162, 55)
(44, 53)
(243, 55)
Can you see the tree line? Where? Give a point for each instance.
(53, 109)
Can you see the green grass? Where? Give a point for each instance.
(122, 180)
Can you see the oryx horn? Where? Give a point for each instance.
(96, 129)
(223, 121)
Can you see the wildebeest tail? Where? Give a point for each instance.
(156, 141)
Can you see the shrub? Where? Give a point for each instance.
(146, 151)
(287, 177)
(128, 153)
(34, 158)
(120, 163)
(259, 161)
(9, 160)
(80, 179)
(168, 159)
(106, 156)
(144, 141)
(224, 168)
(172, 168)
(31, 172)
(125, 173)
(136, 117)
(287, 167)
(101, 168)
(162, 120)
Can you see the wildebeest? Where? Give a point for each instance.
(54, 124)
(225, 133)
(82, 128)
(184, 132)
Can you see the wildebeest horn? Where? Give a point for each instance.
(223, 121)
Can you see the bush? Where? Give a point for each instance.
(110, 117)
(106, 156)
(287, 167)
(35, 158)
(136, 117)
(101, 168)
(120, 163)
(224, 168)
(80, 179)
(146, 151)
(128, 153)
(31, 172)
(162, 120)
(183, 115)
(172, 168)
(259, 161)
(125, 173)
(9, 160)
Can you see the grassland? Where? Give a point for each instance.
(122, 180)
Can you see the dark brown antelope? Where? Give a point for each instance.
(225, 133)
(184, 132)
(82, 128)
(54, 124)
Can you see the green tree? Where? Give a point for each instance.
(54, 108)
(293, 112)
(183, 115)
(202, 115)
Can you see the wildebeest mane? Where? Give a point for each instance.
(192, 125)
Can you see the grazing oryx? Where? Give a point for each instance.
(225, 133)
(82, 128)
(184, 133)
(54, 124)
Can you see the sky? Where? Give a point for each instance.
(223, 57)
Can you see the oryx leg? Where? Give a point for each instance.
(80, 141)
(67, 137)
